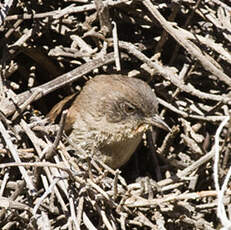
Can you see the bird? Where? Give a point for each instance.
(109, 117)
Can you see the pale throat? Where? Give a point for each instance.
(118, 152)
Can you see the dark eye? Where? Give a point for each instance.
(128, 108)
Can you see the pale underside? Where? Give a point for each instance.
(122, 152)
(114, 150)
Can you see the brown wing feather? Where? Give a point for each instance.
(55, 113)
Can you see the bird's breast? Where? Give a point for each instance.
(117, 154)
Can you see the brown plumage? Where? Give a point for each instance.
(110, 115)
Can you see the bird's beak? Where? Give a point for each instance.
(158, 122)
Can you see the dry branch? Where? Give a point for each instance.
(48, 50)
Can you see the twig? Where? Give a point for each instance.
(5, 179)
(115, 184)
(116, 47)
(27, 102)
(73, 214)
(189, 169)
(87, 222)
(71, 9)
(14, 153)
(50, 151)
(80, 210)
(48, 191)
(220, 192)
(169, 75)
(189, 46)
(141, 202)
(151, 137)
(4, 8)
(186, 115)
(41, 164)
(9, 204)
(7, 107)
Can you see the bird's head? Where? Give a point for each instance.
(126, 104)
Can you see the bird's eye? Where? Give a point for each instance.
(128, 108)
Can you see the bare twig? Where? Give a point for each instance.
(7, 107)
(14, 153)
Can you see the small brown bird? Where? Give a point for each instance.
(110, 115)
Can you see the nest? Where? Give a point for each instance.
(49, 49)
